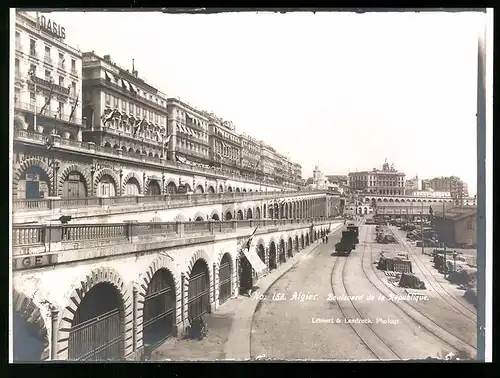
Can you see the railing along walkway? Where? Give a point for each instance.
(33, 235)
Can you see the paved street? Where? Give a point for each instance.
(286, 329)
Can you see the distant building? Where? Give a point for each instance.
(457, 188)
(385, 181)
(413, 185)
(457, 228)
(342, 181)
(430, 194)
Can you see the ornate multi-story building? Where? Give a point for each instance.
(250, 157)
(225, 146)
(189, 141)
(125, 116)
(385, 181)
(47, 103)
(113, 134)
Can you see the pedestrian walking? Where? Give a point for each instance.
(326, 239)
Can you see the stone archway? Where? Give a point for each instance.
(112, 344)
(24, 166)
(105, 172)
(66, 172)
(29, 332)
(158, 289)
(137, 181)
(199, 281)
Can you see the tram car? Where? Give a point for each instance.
(347, 242)
(355, 229)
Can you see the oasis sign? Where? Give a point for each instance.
(51, 27)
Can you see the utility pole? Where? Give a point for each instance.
(422, 226)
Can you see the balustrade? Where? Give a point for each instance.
(209, 198)
(32, 235)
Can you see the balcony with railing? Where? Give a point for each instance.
(171, 200)
(49, 113)
(39, 235)
(49, 85)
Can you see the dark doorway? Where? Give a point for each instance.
(272, 256)
(97, 329)
(225, 291)
(199, 291)
(159, 310)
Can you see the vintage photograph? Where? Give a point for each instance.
(248, 186)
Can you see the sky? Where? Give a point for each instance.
(342, 90)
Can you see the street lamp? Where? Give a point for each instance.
(49, 144)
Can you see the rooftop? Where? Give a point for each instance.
(457, 213)
(131, 76)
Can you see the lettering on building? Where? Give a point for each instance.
(36, 261)
(51, 27)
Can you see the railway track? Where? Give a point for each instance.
(418, 316)
(380, 348)
(436, 285)
(377, 345)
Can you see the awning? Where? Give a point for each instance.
(113, 79)
(190, 132)
(255, 261)
(107, 75)
(126, 84)
(134, 88)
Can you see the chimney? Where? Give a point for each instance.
(107, 58)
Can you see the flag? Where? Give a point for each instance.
(249, 241)
(139, 125)
(74, 107)
(167, 140)
(42, 110)
(109, 116)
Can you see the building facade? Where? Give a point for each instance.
(385, 181)
(225, 146)
(47, 100)
(125, 116)
(113, 134)
(452, 184)
(250, 157)
(188, 131)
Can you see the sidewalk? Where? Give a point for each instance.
(230, 326)
(237, 346)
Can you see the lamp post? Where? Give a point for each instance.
(49, 144)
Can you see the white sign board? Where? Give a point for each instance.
(255, 260)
